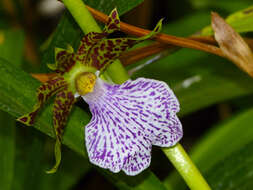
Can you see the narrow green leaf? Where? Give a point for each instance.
(33, 156)
(25, 157)
(7, 150)
(234, 172)
(10, 42)
(233, 134)
(242, 20)
(73, 168)
(226, 5)
(28, 157)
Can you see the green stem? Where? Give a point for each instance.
(82, 16)
(186, 167)
(118, 74)
(88, 24)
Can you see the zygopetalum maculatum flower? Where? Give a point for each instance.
(126, 119)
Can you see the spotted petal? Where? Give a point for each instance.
(90, 39)
(86, 44)
(64, 60)
(127, 120)
(113, 23)
(44, 92)
(63, 103)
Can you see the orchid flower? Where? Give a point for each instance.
(126, 119)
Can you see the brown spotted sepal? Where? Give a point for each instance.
(86, 44)
(113, 23)
(97, 51)
(64, 60)
(63, 103)
(44, 92)
(104, 52)
(90, 39)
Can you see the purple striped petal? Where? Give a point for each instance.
(127, 120)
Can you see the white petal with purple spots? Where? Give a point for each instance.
(127, 120)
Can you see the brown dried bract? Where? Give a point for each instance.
(232, 44)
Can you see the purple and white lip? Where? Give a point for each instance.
(127, 120)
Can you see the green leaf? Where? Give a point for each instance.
(73, 168)
(32, 156)
(233, 134)
(10, 42)
(227, 5)
(241, 21)
(28, 158)
(7, 148)
(234, 172)
(25, 157)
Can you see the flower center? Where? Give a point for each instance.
(85, 83)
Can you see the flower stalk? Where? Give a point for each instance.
(186, 168)
(82, 16)
(118, 74)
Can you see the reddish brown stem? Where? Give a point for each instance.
(137, 54)
(212, 41)
(164, 38)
